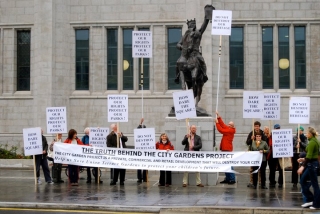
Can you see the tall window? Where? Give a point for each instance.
(267, 57)
(300, 56)
(284, 68)
(174, 36)
(82, 59)
(112, 59)
(23, 60)
(127, 60)
(236, 58)
(146, 75)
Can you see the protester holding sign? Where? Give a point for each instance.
(57, 167)
(227, 132)
(164, 144)
(300, 142)
(274, 164)
(309, 170)
(262, 147)
(250, 138)
(73, 170)
(142, 174)
(192, 142)
(41, 160)
(112, 142)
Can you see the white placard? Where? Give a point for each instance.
(271, 110)
(32, 141)
(98, 137)
(221, 22)
(56, 120)
(117, 108)
(174, 160)
(141, 44)
(253, 103)
(299, 110)
(184, 104)
(144, 139)
(282, 143)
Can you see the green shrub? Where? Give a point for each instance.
(12, 153)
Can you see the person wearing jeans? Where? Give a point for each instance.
(227, 132)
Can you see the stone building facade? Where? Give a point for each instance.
(53, 24)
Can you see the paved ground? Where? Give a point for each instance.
(18, 190)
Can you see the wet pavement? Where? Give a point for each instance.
(18, 190)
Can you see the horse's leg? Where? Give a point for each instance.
(194, 83)
(182, 80)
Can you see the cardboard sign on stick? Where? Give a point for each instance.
(299, 110)
(56, 120)
(144, 139)
(141, 44)
(271, 110)
(253, 103)
(221, 22)
(32, 141)
(98, 137)
(184, 104)
(117, 108)
(282, 145)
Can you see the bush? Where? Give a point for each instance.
(10, 154)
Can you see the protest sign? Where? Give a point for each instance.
(271, 110)
(32, 141)
(184, 104)
(141, 44)
(299, 110)
(117, 108)
(172, 160)
(221, 22)
(144, 139)
(98, 137)
(56, 120)
(253, 103)
(282, 143)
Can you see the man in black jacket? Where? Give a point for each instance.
(192, 142)
(41, 160)
(112, 142)
(142, 174)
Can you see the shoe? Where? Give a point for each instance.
(88, 182)
(254, 187)
(314, 208)
(60, 181)
(272, 185)
(39, 182)
(280, 186)
(112, 183)
(200, 185)
(50, 182)
(250, 185)
(100, 182)
(224, 182)
(264, 187)
(231, 182)
(167, 185)
(308, 204)
(184, 185)
(75, 184)
(121, 183)
(160, 185)
(295, 185)
(139, 181)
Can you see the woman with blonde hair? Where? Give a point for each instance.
(309, 170)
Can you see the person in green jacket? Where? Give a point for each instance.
(309, 168)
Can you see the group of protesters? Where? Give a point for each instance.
(304, 162)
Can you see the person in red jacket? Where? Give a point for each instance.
(164, 144)
(73, 170)
(227, 132)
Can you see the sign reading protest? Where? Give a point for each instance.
(299, 110)
(271, 110)
(141, 44)
(221, 22)
(282, 143)
(144, 139)
(117, 108)
(253, 103)
(98, 137)
(32, 141)
(56, 120)
(184, 104)
(153, 159)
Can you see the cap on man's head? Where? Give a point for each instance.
(301, 128)
(276, 126)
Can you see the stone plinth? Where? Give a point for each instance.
(176, 130)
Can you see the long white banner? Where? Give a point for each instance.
(153, 159)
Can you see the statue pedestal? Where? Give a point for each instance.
(176, 130)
